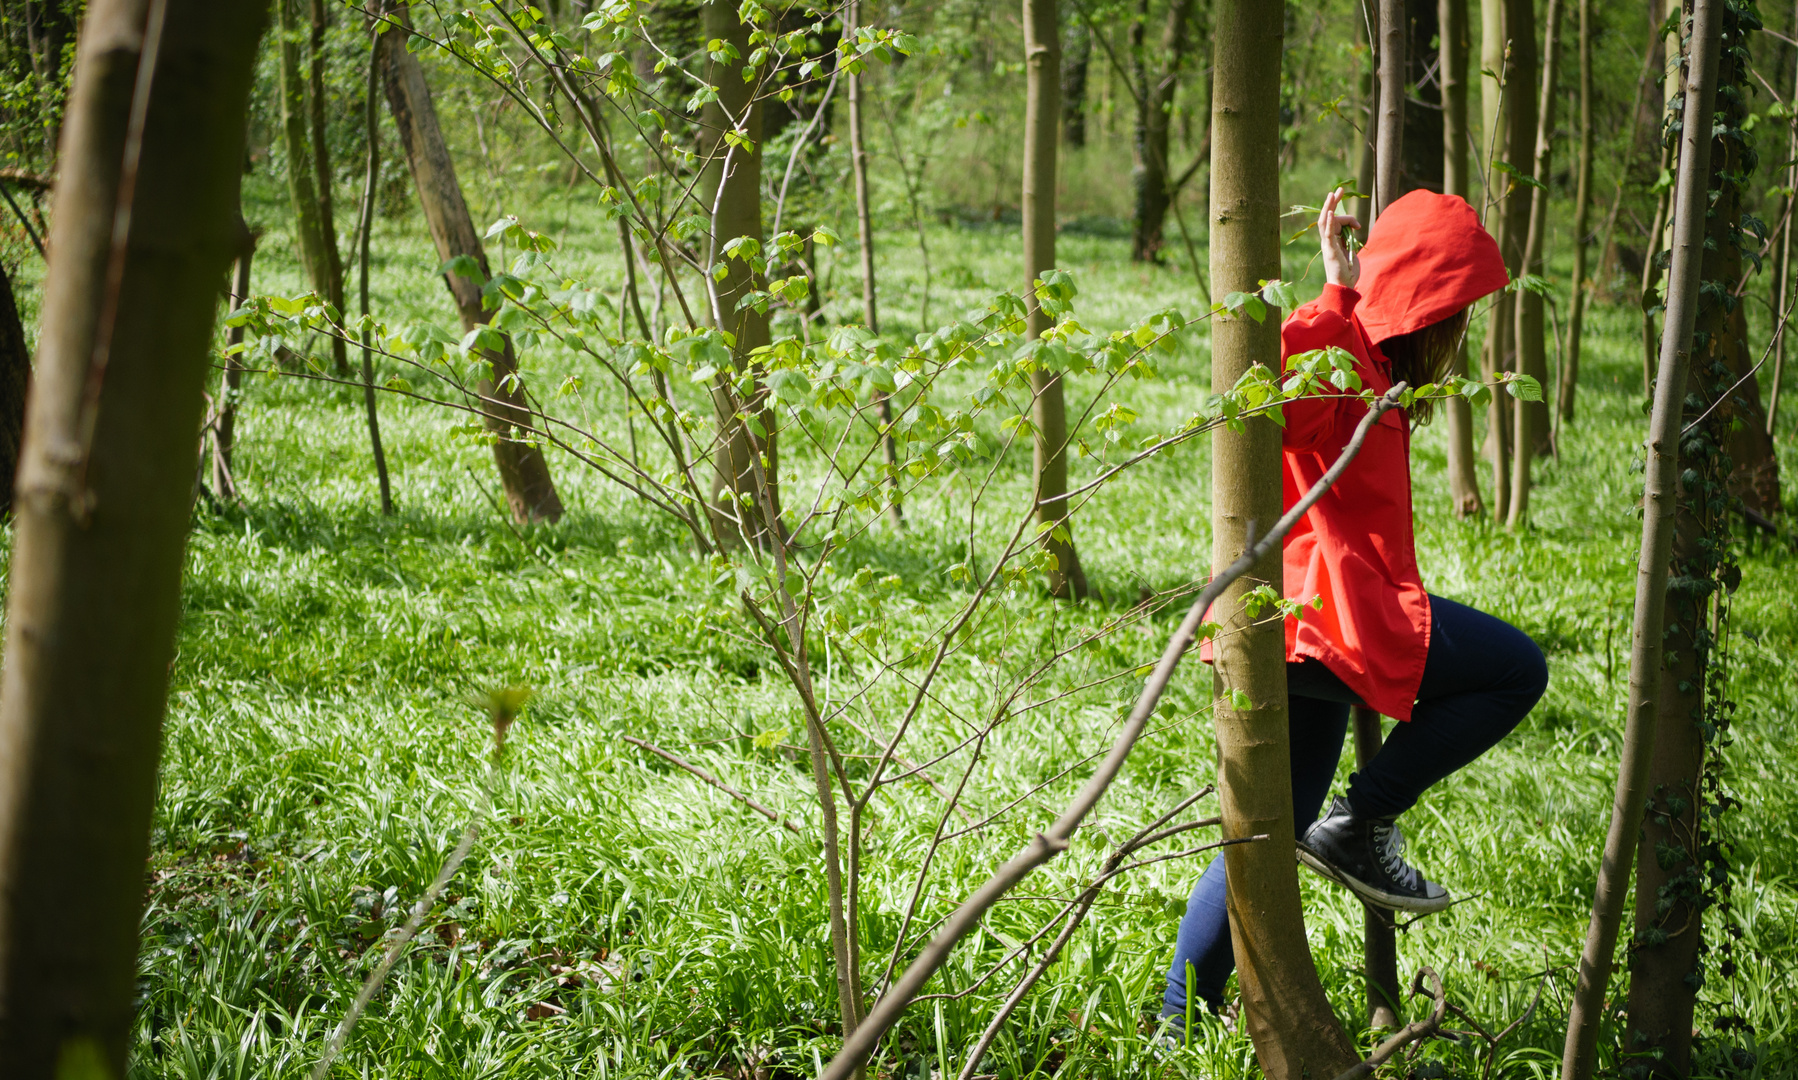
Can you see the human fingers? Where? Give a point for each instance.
(1347, 221)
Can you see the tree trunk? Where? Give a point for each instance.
(302, 177)
(1582, 208)
(1669, 923)
(1531, 417)
(1042, 112)
(1463, 481)
(864, 225)
(365, 224)
(1366, 17)
(15, 376)
(523, 473)
(1660, 493)
(1389, 138)
(1075, 62)
(1782, 276)
(224, 432)
(1151, 175)
(1421, 165)
(323, 180)
(733, 191)
(1289, 1019)
(104, 491)
(1380, 941)
(1498, 104)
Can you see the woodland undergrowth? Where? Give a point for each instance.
(621, 918)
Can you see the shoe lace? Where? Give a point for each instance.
(1389, 845)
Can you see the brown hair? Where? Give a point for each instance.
(1423, 356)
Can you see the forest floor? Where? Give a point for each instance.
(619, 918)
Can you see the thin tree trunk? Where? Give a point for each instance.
(1463, 480)
(1530, 417)
(15, 375)
(1660, 493)
(523, 473)
(733, 192)
(1042, 114)
(365, 224)
(864, 224)
(1782, 276)
(1151, 176)
(1075, 62)
(1498, 65)
(1669, 917)
(1366, 17)
(104, 491)
(1380, 941)
(1582, 207)
(1607, 262)
(302, 178)
(224, 432)
(1389, 140)
(1288, 1016)
(323, 178)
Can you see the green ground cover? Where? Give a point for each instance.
(618, 918)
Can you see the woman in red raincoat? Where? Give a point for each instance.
(1456, 679)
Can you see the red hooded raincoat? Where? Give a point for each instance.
(1426, 258)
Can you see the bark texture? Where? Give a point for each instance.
(1389, 133)
(1647, 681)
(1042, 111)
(1288, 1016)
(1076, 62)
(104, 491)
(1463, 480)
(523, 473)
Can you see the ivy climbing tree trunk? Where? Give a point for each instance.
(732, 137)
(1671, 864)
(1531, 417)
(1042, 117)
(1580, 288)
(523, 472)
(144, 229)
(1463, 480)
(1288, 1016)
(1647, 675)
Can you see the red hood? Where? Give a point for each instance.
(1426, 258)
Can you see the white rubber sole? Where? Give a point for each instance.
(1377, 897)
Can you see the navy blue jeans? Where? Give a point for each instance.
(1480, 678)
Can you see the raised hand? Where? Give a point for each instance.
(1341, 267)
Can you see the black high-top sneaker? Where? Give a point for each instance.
(1368, 856)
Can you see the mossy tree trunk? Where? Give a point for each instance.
(1288, 1016)
(101, 515)
(523, 472)
(1042, 115)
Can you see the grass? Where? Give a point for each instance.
(620, 919)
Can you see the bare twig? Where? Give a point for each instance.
(1410, 1033)
(677, 760)
(1056, 839)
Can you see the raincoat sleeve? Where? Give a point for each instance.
(1325, 321)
